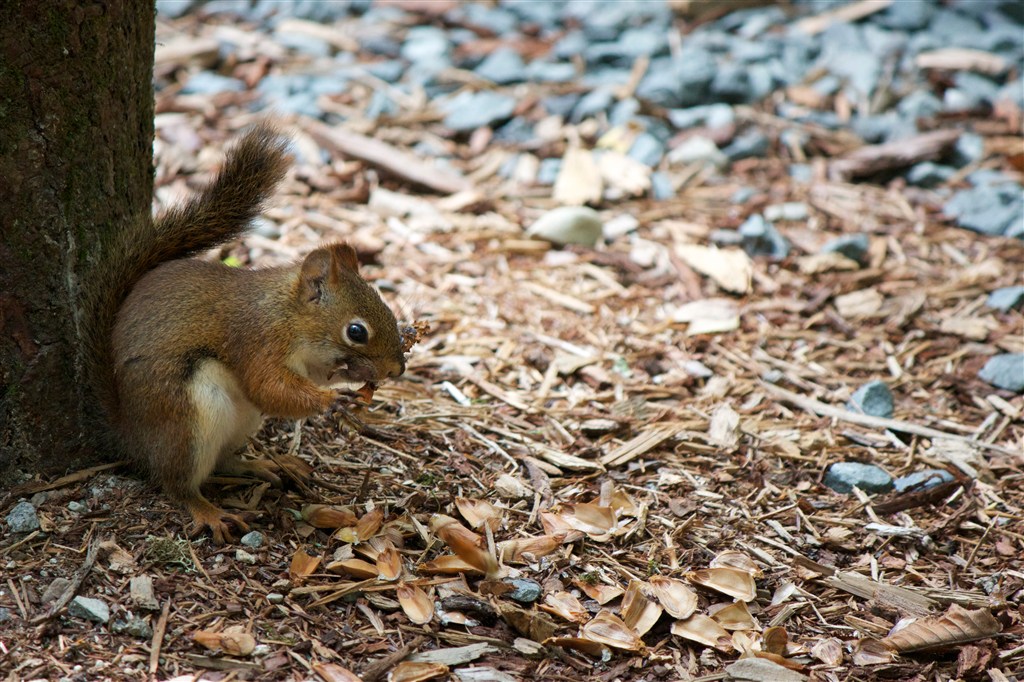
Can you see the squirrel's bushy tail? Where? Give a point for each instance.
(220, 213)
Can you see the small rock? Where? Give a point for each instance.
(503, 66)
(1005, 371)
(873, 398)
(142, 593)
(742, 195)
(89, 609)
(906, 16)
(988, 209)
(209, 83)
(697, 149)
(244, 557)
(760, 238)
(720, 237)
(471, 110)
(853, 246)
(661, 186)
(5, 614)
(929, 174)
(624, 111)
(697, 369)
(844, 476)
(1006, 298)
(922, 480)
(710, 115)
(919, 104)
(135, 627)
(647, 149)
(752, 143)
(426, 44)
(732, 83)
(275, 597)
(76, 507)
(548, 171)
(801, 172)
(969, 148)
(544, 71)
(23, 518)
(253, 539)
(55, 589)
(792, 210)
(594, 102)
(526, 591)
(568, 225)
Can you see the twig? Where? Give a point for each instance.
(823, 410)
(72, 589)
(158, 639)
(375, 671)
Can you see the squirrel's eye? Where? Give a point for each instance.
(357, 333)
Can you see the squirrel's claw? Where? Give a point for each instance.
(206, 515)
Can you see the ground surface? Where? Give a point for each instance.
(579, 400)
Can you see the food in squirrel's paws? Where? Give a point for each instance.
(412, 334)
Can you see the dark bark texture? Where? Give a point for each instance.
(76, 131)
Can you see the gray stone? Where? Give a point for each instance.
(172, 9)
(661, 186)
(721, 237)
(426, 44)
(748, 51)
(471, 110)
(380, 105)
(929, 174)
(89, 609)
(23, 518)
(988, 209)
(54, 590)
(245, 557)
(760, 238)
(919, 104)
(791, 210)
(731, 83)
(906, 16)
(5, 615)
(801, 172)
(647, 149)
(142, 593)
(209, 83)
(76, 507)
(560, 105)
(498, 20)
(1005, 371)
(548, 171)
(592, 103)
(570, 45)
(134, 627)
(389, 71)
(873, 398)
(550, 72)
(922, 480)
(710, 115)
(624, 111)
(642, 42)
(844, 476)
(698, 149)
(304, 103)
(751, 143)
(853, 246)
(503, 66)
(524, 590)
(969, 148)
(742, 195)
(953, 28)
(697, 369)
(518, 131)
(275, 598)
(568, 225)
(990, 176)
(304, 43)
(1006, 298)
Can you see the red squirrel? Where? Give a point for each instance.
(188, 356)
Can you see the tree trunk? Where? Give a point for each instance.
(76, 132)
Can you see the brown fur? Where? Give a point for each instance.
(199, 352)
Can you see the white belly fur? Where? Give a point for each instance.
(225, 419)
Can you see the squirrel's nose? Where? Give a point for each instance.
(397, 369)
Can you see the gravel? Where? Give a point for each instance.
(844, 476)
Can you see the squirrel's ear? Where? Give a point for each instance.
(345, 256)
(313, 275)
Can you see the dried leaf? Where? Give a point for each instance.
(389, 564)
(585, 646)
(479, 513)
(859, 304)
(732, 558)
(565, 605)
(724, 427)
(599, 592)
(324, 516)
(579, 179)
(469, 546)
(416, 603)
(447, 565)
(775, 640)
(303, 565)
(332, 672)
(868, 651)
(735, 616)
(608, 629)
(730, 269)
(829, 651)
(357, 568)
(674, 595)
(731, 581)
(638, 611)
(529, 623)
(233, 641)
(589, 518)
(413, 671)
(956, 626)
(524, 549)
(369, 524)
(703, 630)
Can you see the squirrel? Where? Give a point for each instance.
(187, 356)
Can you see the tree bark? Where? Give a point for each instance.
(76, 132)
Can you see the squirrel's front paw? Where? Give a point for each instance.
(221, 523)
